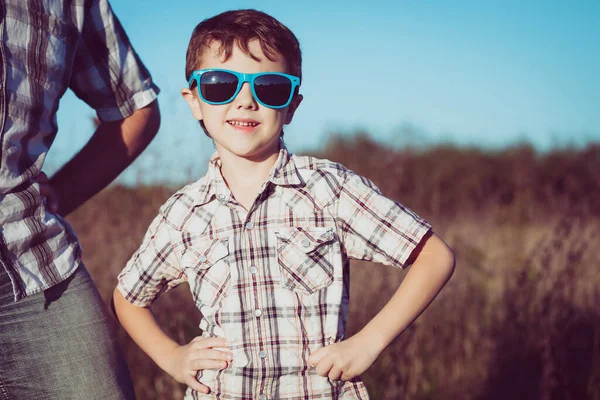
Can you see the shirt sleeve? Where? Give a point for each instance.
(375, 228)
(107, 73)
(153, 268)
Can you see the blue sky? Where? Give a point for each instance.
(484, 73)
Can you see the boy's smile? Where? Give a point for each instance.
(242, 128)
(244, 125)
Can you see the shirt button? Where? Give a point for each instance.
(262, 354)
(257, 313)
(202, 258)
(305, 243)
(253, 270)
(249, 225)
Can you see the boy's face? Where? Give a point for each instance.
(243, 128)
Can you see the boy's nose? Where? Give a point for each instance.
(245, 99)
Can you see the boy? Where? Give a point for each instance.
(264, 238)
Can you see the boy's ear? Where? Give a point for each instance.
(193, 102)
(292, 108)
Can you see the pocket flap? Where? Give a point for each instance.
(305, 239)
(204, 253)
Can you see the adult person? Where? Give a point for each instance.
(56, 337)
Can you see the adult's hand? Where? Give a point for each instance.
(49, 194)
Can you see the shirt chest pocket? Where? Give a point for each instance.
(206, 264)
(305, 257)
(57, 43)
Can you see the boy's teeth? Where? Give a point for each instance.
(240, 123)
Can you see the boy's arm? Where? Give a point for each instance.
(181, 362)
(111, 149)
(431, 270)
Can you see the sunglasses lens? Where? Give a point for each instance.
(218, 86)
(273, 90)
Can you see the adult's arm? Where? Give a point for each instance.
(108, 75)
(111, 149)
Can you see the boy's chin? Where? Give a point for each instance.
(253, 153)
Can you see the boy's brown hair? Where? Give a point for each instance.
(239, 27)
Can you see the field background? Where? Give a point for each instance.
(518, 320)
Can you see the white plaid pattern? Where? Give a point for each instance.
(274, 280)
(47, 47)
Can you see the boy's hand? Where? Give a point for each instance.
(197, 355)
(344, 360)
(48, 193)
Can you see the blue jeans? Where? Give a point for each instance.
(60, 344)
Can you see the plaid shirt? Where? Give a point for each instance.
(47, 47)
(273, 280)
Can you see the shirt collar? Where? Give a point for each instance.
(283, 173)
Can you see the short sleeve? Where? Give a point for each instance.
(153, 268)
(107, 72)
(375, 228)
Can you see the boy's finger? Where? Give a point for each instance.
(346, 376)
(212, 354)
(191, 381)
(324, 366)
(316, 357)
(205, 343)
(201, 364)
(335, 373)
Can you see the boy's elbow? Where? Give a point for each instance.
(119, 303)
(116, 294)
(450, 261)
(444, 256)
(115, 302)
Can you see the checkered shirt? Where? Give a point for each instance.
(47, 47)
(273, 280)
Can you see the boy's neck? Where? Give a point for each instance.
(238, 169)
(245, 176)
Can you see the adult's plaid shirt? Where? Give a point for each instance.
(47, 47)
(273, 280)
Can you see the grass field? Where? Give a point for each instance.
(520, 319)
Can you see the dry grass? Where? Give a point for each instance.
(519, 319)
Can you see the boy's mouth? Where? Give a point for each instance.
(244, 122)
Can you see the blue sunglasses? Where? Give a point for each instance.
(221, 86)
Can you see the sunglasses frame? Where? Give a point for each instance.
(243, 78)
